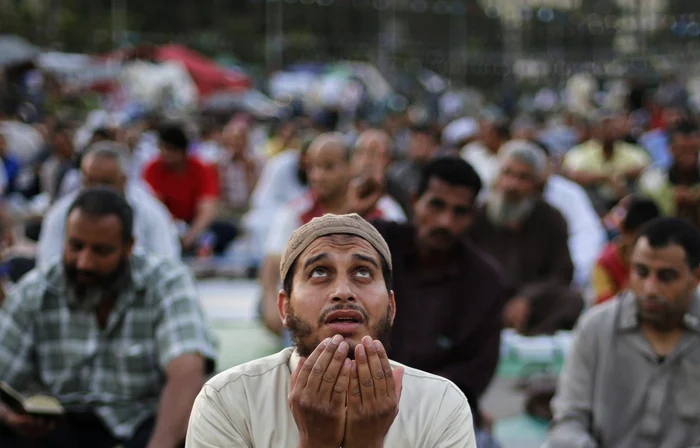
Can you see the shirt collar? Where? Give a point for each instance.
(630, 321)
(294, 361)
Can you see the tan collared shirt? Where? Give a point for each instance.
(246, 406)
(614, 391)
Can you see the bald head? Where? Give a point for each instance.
(372, 152)
(328, 168)
(105, 164)
(333, 142)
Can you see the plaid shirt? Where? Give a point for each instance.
(118, 372)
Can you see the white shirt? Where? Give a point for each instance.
(484, 162)
(154, 230)
(246, 406)
(586, 234)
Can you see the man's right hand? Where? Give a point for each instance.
(26, 426)
(317, 393)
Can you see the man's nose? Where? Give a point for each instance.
(444, 219)
(342, 291)
(85, 260)
(650, 287)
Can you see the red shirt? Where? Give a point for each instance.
(182, 191)
(618, 272)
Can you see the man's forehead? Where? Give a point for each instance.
(78, 221)
(438, 187)
(339, 244)
(671, 254)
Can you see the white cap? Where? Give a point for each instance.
(459, 130)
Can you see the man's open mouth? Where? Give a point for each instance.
(345, 317)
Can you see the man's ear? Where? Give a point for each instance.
(130, 246)
(696, 274)
(283, 305)
(392, 306)
(414, 200)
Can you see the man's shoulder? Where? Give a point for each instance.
(140, 198)
(28, 294)
(483, 265)
(599, 317)
(152, 271)
(258, 371)
(546, 213)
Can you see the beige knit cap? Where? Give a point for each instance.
(330, 224)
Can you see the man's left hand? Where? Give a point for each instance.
(373, 396)
(362, 195)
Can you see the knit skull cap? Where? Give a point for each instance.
(330, 224)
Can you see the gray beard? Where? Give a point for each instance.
(507, 214)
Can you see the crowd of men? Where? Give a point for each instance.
(417, 243)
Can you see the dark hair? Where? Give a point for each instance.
(452, 170)
(386, 273)
(103, 133)
(684, 127)
(174, 136)
(502, 128)
(60, 127)
(425, 128)
(662, 232)
(105, 201)
(640, 210)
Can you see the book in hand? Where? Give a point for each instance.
(37, 405)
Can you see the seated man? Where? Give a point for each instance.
(529, 238)
(105, 164)
(605, 166)
(117, 337)
(370, 160)
(403, 175)
(336, 387)
(676, 189)
(187, 187)
(612, 269)
(282, 179)
(586, 233)
(631, 376)
(453, 335)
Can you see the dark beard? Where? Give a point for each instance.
(302, 331)
(107, 286)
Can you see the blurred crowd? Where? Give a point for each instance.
(500, 219)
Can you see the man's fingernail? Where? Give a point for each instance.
(361, 350)
(343, 347)
(326, 342)
(377, 345)
(337, 339)
(367, 341)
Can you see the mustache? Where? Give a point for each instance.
(653, 299)
(348, 307)
(440, 232)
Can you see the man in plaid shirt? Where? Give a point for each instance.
(117, 337)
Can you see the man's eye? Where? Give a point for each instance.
(364, 273)
(318, 272)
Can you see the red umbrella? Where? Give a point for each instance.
(206, 74)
